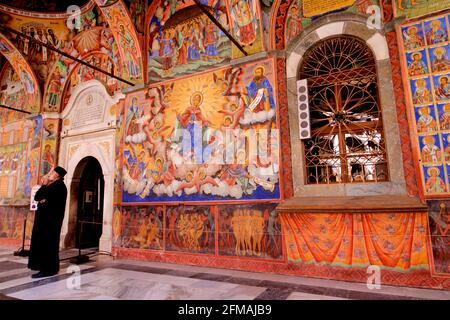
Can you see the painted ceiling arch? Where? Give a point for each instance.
(122, 28)
(25, 73)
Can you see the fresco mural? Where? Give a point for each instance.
(204, 138)
(250, 231)
(19, 159)
(12, 92)
(90, 35)
(55, 33)
(417, 8)
(25, 74)
(117, 226)
(186, 41)
(302, 13)
(119, 110)
(190, 229)
(140, 227)
(427, 64)
(49, 155)
(137, 9)
(11, 222)
(439, 218)
(245, 22)
(81, 73)
(127, 41)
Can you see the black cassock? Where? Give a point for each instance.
(44, 247)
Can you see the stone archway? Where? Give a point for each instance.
(356, 26)
(89, 129)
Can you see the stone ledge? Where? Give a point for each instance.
(360, 204)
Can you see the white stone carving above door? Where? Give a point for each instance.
(90, 108)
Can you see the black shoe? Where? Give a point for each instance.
(41, 274)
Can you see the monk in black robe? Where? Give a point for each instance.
(44, 247)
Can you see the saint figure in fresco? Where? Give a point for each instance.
(54, 87)
(442, 90)
(192, 117)
(426, 123)
(127, 43)
(182, 45)
(245, 25)
(48, 159)
(440, 62)
(260, 92)
(417, 67)
(445, 118)
(447, 150)
(430, 152)
(210, 39)
(412, 39)
(436, 34)
(167, 48)
(133, 117)
(422, 94)
(293, 22)
(434, 184)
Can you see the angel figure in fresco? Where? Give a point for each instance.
(442, 90)
(430, 152)
(412, 39)
(434, 184)
(163, 172)
(440, 62)
(229, 82)
(137, 164)
(293, 22)
(436, 34)
(422, 94)
(196, 179)
(417, 67)
(426, 123)
(245, 25)
(234, 114)
(445, 118)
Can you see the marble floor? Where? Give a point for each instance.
(105, 278)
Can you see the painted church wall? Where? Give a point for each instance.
(20, 149)
(191, 139)
(425, 56)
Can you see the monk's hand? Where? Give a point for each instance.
(43, 201)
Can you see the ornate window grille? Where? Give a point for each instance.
(347, 141)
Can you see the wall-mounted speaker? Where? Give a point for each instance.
(304, 125)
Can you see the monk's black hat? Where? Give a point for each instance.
(61, 171)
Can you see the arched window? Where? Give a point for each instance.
(347, 140)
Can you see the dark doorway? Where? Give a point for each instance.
(90, 204)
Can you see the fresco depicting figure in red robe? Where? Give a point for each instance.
(245, 25)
